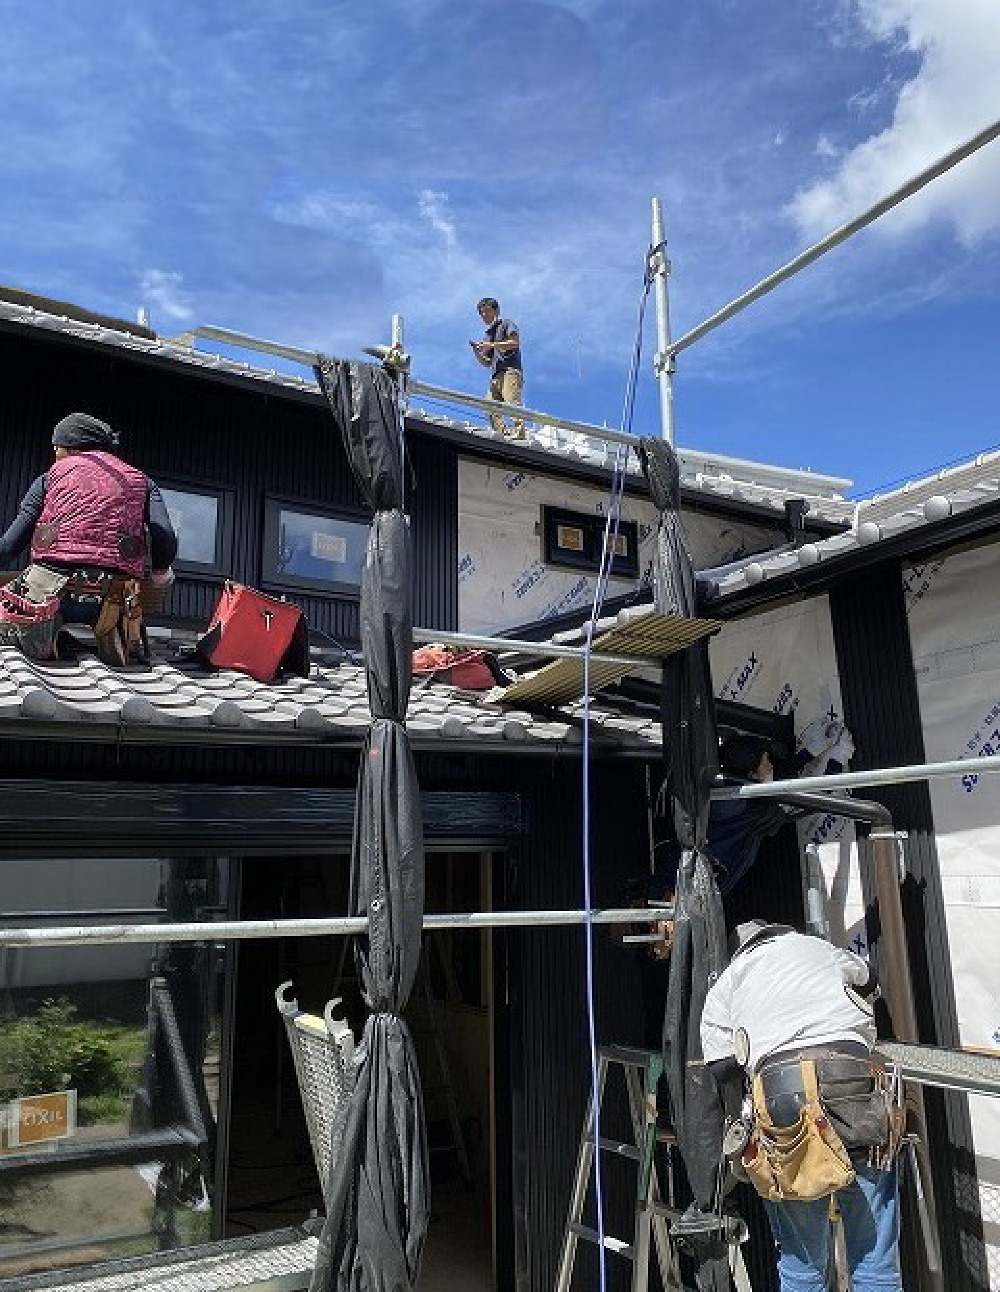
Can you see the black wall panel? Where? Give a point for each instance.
(549, 992)
(881, 706)
(545, 1080)
(433, 505)
(179, 425)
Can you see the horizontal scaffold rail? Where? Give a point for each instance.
(975, 1072)
(547, 650)
(838, 236)
(234, 930)
(860, 780)
(789, 478)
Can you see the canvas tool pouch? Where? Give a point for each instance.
(800, 1161)
(28, 624)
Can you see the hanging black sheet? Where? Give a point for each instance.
(691, 753)
(378, 1195)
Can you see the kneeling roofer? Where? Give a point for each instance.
(96, 527)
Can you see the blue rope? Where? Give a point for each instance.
(600, 591)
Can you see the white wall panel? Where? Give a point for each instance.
(502, 579)
(784, 661)
(953, 606)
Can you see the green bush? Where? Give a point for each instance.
(52, 1050)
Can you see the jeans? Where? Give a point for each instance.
(869, 1210)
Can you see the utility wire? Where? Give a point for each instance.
(600, 591)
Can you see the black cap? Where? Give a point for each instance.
(740, 755)
(81, 431)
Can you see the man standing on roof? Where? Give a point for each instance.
(500, 351)
(791, 1010)
(88, 519)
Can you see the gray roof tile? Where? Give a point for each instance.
(179, 699)
(916, 505)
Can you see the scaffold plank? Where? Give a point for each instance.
(648, 636)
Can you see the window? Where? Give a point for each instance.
(313, 550)
(105, 1054)
(573, 540)
(201, 518)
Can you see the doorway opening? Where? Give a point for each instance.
(272, 1179)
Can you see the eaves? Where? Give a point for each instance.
(919, 542)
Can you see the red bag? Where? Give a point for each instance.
(256, 634)
(472, 670)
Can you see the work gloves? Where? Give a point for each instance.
(842, 751)
(829, 737)
(819, 735)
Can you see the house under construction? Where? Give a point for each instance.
(151, 1104)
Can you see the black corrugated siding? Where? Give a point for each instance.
(546, 1065)
(194, 429)
(548, 990)
(881, 706)
(433, 507)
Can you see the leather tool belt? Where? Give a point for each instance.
(854, 1092)
(111, 599)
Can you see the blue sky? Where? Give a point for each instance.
(301, 169)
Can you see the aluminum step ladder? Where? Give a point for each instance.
(641, 1070)
(432, 1032)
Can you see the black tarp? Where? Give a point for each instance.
(378, 1194)
(691, 764)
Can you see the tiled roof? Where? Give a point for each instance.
(746, 483)
(742, 482)
(180, 701)
(929, 501)
(981, 472)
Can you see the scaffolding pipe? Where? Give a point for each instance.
(859, 780)
(787, 478)
(896, 984)
(530, 648)
(663, 360)
(237, 930)
(838, 236)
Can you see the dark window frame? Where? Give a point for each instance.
(274, 579)
(221, 566)
(592, 525)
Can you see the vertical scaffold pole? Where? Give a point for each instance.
(663, 361)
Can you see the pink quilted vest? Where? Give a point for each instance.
(94, 514)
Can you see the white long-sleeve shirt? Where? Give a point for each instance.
(787, 992)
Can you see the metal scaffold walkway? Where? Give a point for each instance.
(970, 1071)
(279, 1261)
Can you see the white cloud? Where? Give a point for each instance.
(164, 292)
(825, 147)
(434, 209)
(954, 94)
